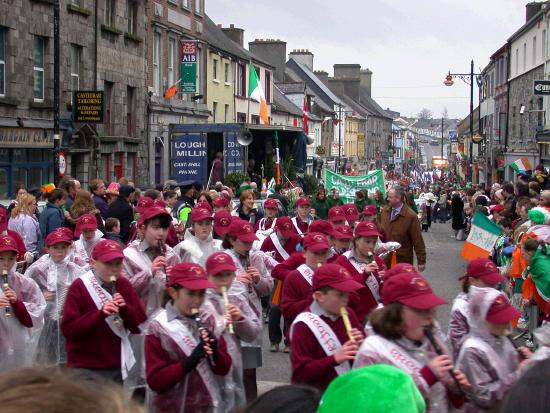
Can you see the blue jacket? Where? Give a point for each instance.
(50, 219)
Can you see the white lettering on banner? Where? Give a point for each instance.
(481, 238)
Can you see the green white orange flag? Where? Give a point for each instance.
(256, 92)
(482, 238)
(522, 164)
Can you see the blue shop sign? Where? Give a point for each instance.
(233, 154)
(189, 157)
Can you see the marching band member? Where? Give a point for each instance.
(352, 214)
(100, 311)
(88, 237)
(400, 339)
(22, 308)
(241, 322)
(222, 219)
(369, 213)
(297, 287)
(254, 282)
(183, 356)
(324, 343)
(54, 273)
(303, 217)
(198, 243)
(366, 268)
(221, 203)
(487, 357)
(341, 240)
(145, 262)
(480, 272)
(337, 216)
(22, 253)
(271, 209)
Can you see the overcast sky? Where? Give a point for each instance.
(409, 45)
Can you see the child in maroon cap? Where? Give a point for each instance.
(366, 268)
(89, 236)
(303, 217)
(487, 357)
(146, 261)
(101, 310)
(481, 272)
(271, 209)
(245, 325)
(322, 348)
(22, 308)
(186, 356)
(400, 340)
(54, 273)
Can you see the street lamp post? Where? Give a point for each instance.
(467, 78)
(441, 137)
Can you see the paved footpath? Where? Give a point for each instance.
(443, 268)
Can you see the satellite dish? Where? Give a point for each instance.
(310, 138)
(244, 137)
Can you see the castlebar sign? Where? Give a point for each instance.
(541, 87)
(88, 106)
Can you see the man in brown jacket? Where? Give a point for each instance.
(400, 224)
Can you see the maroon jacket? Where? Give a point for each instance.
(297, 295)
(268, 223)
(289, 246)
(281, 271)
(310, 363)
(304, 226)
(89, 341)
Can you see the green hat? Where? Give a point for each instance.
(379, 388)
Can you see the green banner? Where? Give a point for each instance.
(348, 185)
(188, 66)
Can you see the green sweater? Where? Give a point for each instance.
(321, 207)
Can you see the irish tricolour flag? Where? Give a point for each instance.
(256, 92)
(482, 238)
(522, 164)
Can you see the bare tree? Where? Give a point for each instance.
(445, 113)
(425, 114)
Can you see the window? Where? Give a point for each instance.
(156, 64)
(226, 73)
(241, 80)
(108, 90)
(524, 56)
(267, 86)
(241, 117)
(185, 3)
(171, 62)
(226, 113)
(215, 69)
(39, 69)
(214, 111)
(76, 53)
(534, 50)
(543, 44)
(77, 3)
(130, 111)
(132, 17)
(131, 166)
(110, 13)
(198, 6)
(517, 61)
(2, 61)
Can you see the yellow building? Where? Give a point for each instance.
(354, 131)
(220, 87)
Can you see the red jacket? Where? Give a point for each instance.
(89, 341)
(289, 246)
(281, 271)
(297, 295)
(268, 223)
(310, 363)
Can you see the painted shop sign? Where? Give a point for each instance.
(25, 137)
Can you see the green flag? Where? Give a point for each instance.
(348, 185)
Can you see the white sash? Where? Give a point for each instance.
(100, 297)
(181, 335)
(371, 280)
(490, 354)
(306, 272)
(295, 223)
(324, 335)
(277, 244)
(261, 225)
(400, 359)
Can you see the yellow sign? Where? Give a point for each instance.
(439, 162)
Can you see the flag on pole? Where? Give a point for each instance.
(305, 115)
(256, 92)
(482, 238)
(172, 90)
(271, 186)
(277, 159)
(522, 165)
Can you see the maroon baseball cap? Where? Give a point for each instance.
(496, 208)
(204, 205)
(343, 232)
(107, 250)
(242, 229)
(3, 219)
(218, 262)
(485, 270)
(159, 203)
(369, 210)
(303, 201)
(336, 214)
(220, 201)
(315, 241)
(222, 220)
(144, 203)
(410, 289)
(271, 204)
(57, 236)
(189, 275)
(285, 227)
(400, 268)
(351, 212)
(334, 276)
(501, 311)
(322, 226)
(86, 221)
(366, 229)
(199, 214)
(7, 243)
(151, 213)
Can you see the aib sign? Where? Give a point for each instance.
(541, 87)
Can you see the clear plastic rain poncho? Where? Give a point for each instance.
(247, 329)
(18, 344)
(83, 249)
(192, 249)
(54, 281)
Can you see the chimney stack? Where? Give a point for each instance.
(366, 81)
(272, 51)
(302, 56)
(347, 78)
(322, 75)
(531, 9)
(235, 34)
